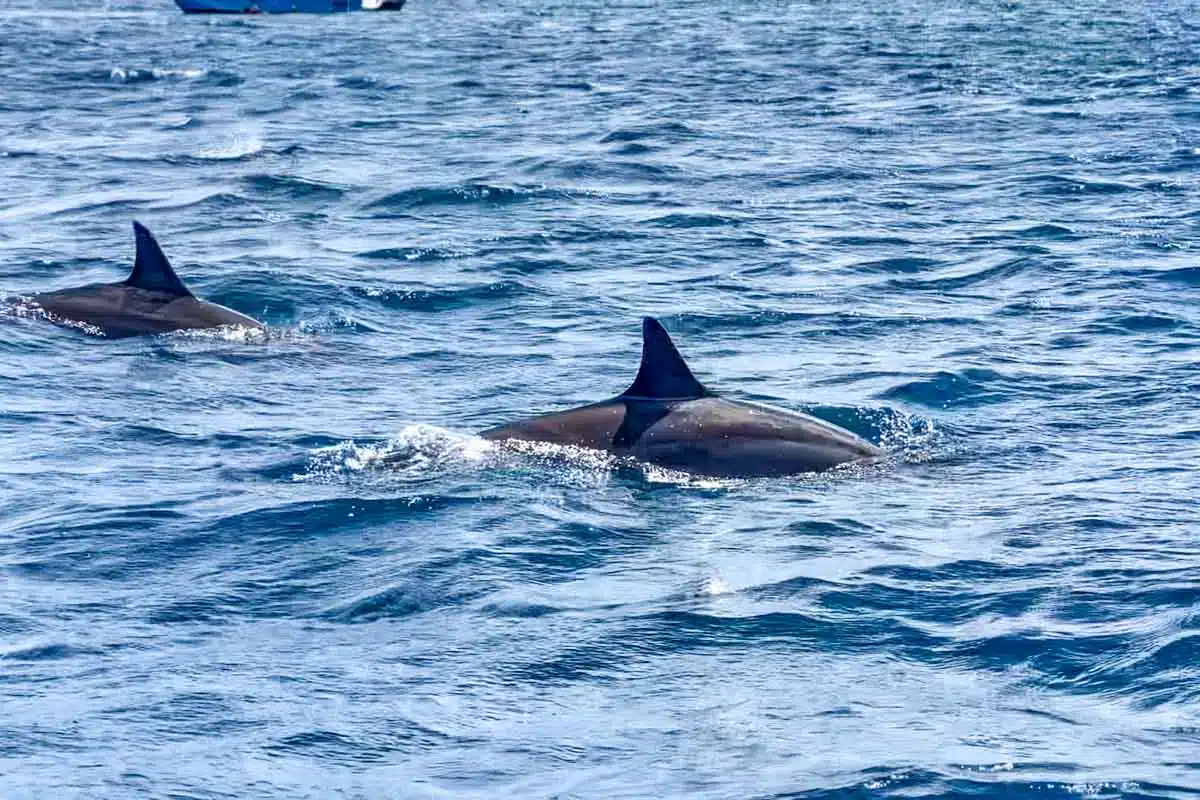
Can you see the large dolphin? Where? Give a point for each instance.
(151, 300)
(669, 418)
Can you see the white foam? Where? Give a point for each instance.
(715, 586)
(415, 452)
(913, 439)
(27, 309)
(239, 145)
(236, 334)
(123, 75)
(656, 474)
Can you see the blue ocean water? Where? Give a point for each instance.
(239, 567)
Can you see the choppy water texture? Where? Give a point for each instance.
(285, 568)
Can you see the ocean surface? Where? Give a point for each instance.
(282, 566)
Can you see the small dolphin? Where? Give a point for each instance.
(669, 418)
(151, 300)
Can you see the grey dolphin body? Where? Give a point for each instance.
(669, 418)
(151, 300)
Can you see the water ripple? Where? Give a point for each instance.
(284, 565)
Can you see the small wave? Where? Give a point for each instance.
(635, 149)
(40, 652)
(434, 300)
(196, 609)
(694, 221)
(176, 122)
(1058, 185)
(667, 131)
(605, 169)
(841, 323)
(384, 124)
(1136, 323)
(248, 21)
(536, 266)
(1005, 269)
(831, 175)
(586, 233)
(1185, 275)
(75, 204)
(698, 323)
(463, 194)
(235, 148)
(518, 610)
(361, 748)
(328, 746)
(861, 240)
(1047, 231)
(401, 600)
(397, 601)
(293, 187)
(364, 83)
(902, 264)
(419, 254)
(9, 624)
(577, 86)
(200, 199)
(985, 781)
(1055, 100)
(971, 387)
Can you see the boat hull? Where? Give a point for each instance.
(285, 6)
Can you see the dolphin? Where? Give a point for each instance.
(151, 300)
(669, 418)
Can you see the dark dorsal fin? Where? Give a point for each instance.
(151, 270)
(663, 373)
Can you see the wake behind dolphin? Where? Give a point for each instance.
(667, 417)
(151, 300)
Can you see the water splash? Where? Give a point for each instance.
(417, 452)
(235, 147)
(142, 75)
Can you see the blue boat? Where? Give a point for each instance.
(286, 6)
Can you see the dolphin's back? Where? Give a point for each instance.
(670, 418)
(593, 426)
(715, 436)
(118, 310)
(709, 435)
(112, 308)
(151, 300)
(706, 416)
